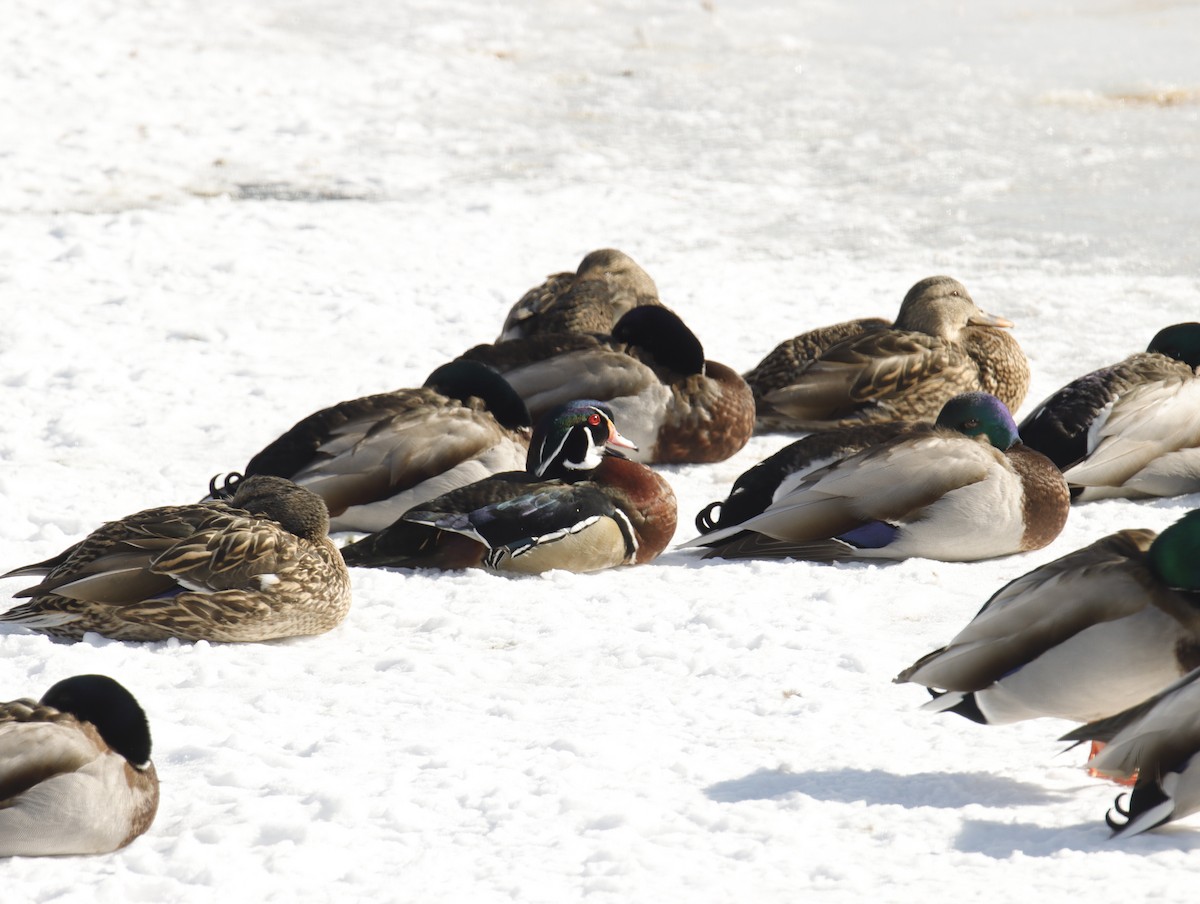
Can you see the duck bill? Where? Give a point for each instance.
(985, 319)
(616, 442)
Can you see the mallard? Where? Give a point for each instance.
(673, 404)
(789, 358)
(374, 458)
(577, 507)
(775, 476)
(941, 345)
(75, 770)
(1132, 429)
(606, 285)
(961, 489)
(259, 567)
(1157, 741)
(1079, 638)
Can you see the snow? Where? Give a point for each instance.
(217, 218)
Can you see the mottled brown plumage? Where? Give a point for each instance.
(606, 285)
(940, 346)
(259, 567)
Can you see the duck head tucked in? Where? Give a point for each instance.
(75, 770)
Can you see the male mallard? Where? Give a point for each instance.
(75, 770)
(941, 345)
(777, 475)
(259, 567)
(962, 489)
(1132, 429)
(675, 406)
(577, 507)
(1158, 740)
(374, 458)
(606, 285)
(1079, 638)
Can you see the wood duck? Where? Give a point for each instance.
(606, 285)
(374, 458)
(674, 405)
(258, 567)
(577, 506)
(75, 770)
(1079, 638)
(1132, 429)
(940, 345)
(961, 489)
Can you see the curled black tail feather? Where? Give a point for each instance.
(227, 488)
(706, 521)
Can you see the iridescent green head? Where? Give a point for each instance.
(1175, 553)
(978, 413)
(572, 439)
(1180, 341)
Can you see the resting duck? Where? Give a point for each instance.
(962, 489)
(789, 358)
(1132, 429)
(75, 770)
(1079, 638)
(776, 476)
(259, 567)
(374, 458)
(1157, 741)
(672, 404)
(941, 345)
(606, 285)
(577, 507)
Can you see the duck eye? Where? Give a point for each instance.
(594, 419)
(971, 423)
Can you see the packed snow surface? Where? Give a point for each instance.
(216, 218)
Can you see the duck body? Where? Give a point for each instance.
(1078, 638)
(789, 358)
(371, 459)
(775, 476)
(1158, 741)
(598, 511)
(606, 285)
(941, 345)
(259, 567)
(675, 406)
(931, 491)
(75, 771)
(1129, 430)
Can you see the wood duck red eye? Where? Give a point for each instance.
(594, 419)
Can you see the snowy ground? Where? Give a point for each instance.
(218, 217)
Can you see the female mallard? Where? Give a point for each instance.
(75, 770)
(1132, 429)
(941, 345)
(374, 458)
(673, 404)
(577, 507)
(1158, 741)
(961, 489)
(606, 285)
(1079, 638)
(259, 567)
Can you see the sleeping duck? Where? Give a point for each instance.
(577, 506)
(673, 405)
(374, 458)
(1079, 638)
(1132, 429)
(75, 770)
(1158, 741)
(258, 567)
(606, 285)
(960, 489)
(940, 345)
